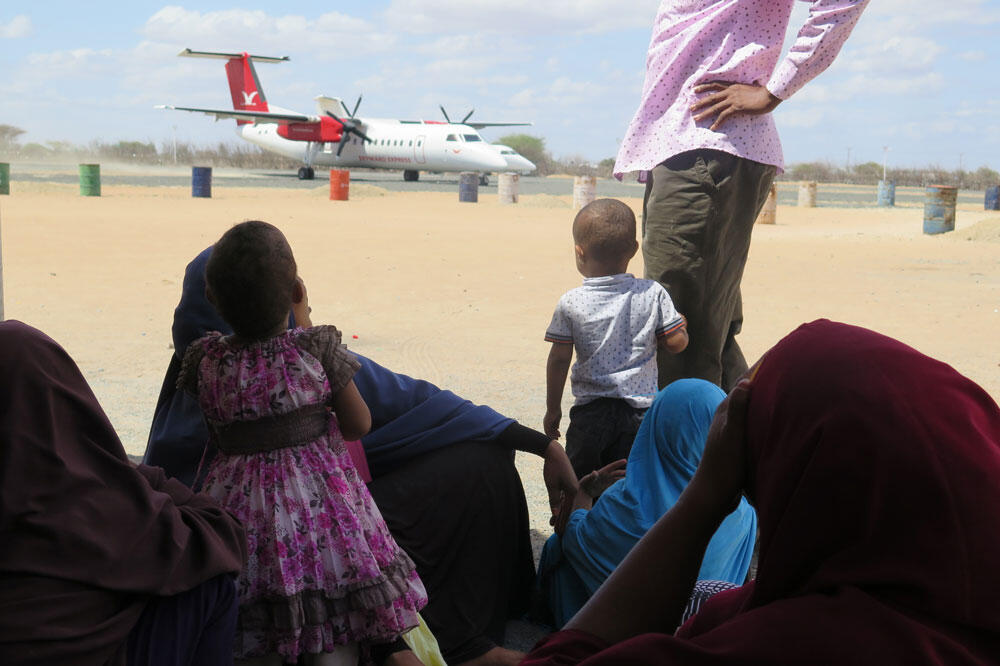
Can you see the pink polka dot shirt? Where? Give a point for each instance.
(699, 41)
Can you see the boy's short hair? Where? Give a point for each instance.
(251, 275)
(605, 228)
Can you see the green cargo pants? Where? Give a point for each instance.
(698, 213)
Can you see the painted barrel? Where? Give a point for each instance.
(769, 212)
(507, 188)
(939, 209)
(468, 186)
(340, 184)
(807, 194)
(992, 198)
(90, 180)
(886, 193)
(201, 182)
(4, 178)
(584, 191)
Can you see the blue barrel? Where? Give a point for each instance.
(468, 186)
(993, 198)
(939, 209)
(886, 193)
(201, 182)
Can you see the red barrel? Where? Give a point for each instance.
(340, 184)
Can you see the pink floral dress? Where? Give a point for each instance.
(322, 568)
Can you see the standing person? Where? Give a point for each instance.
(101, 562)
(705, 135)
(615, 323)
(324, 576)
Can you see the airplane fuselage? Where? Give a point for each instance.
(417, 146)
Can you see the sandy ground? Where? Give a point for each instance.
(458, 293)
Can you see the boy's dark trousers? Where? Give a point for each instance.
(601, 432)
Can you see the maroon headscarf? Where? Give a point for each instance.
(875, 472)
(86, 539)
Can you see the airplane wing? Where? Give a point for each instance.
(252, 116)
(478, 125)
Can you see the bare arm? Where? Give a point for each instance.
(675, 342)
(560, 480)
(352, 413)
(556, 370)
(649, 589)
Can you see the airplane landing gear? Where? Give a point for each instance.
(410, 175)
(306, 173)
(484, 179)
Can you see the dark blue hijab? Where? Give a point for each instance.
(410, 417)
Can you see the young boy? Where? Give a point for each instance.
(615, 322)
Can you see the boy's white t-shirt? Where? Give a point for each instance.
(613, 322)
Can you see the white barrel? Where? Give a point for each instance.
(507, 188)
(584, 191)
(769, 212)
(807, 194)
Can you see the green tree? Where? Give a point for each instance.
(8, 136)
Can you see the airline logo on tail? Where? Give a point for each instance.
(244, 86)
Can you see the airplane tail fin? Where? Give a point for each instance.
(243, 82)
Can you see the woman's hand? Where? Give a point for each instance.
(721, 475)
(600, 480)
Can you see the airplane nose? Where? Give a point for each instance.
(492, 160)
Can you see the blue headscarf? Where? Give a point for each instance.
(410, 417)
(664, 457)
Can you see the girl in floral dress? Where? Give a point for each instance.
(324, 576)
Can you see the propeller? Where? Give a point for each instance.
(462, 122)
(348, 126)
(356, 105)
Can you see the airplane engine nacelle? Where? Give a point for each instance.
(326, 130)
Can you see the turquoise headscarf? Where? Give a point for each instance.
(664, 457)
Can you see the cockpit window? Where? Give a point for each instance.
(451, 137)
(508, 151)
(472, 137)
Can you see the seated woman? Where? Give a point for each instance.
(667, 448)
(443, 478)
(101, 562)
(874, 472)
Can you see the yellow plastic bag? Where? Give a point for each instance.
(424, 645)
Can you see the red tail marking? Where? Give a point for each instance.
(244, 86)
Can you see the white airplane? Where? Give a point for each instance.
(335, 137)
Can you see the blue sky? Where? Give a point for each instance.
(922, 80)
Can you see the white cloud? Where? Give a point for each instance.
(325, 37)
(19, 26)
(521, 16)
(973, 56)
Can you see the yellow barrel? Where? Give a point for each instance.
(768, 213)
(507, 188)
(584, 191)
(807, 194)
